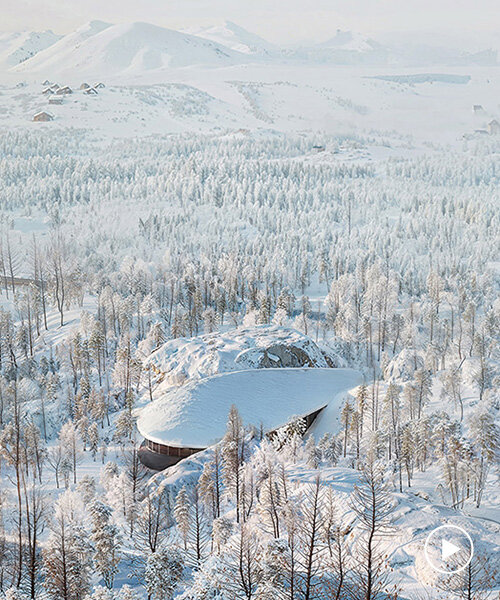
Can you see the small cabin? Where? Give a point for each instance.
(43, 117)
(48, 91)
(99, 86)
(477, 109)
(64, 90)
(91, 91)
(56, 100)
(55, 86)
(494, 127)
(84, 86)
(46, 83)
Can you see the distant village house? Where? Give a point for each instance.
(42, 117)
(84, 86)
(64, 90)
(494, 127)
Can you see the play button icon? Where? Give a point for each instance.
(449, 549)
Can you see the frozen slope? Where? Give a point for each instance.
(132, 48)
(195, 415)
(17, 47)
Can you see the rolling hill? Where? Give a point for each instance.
(102, 49)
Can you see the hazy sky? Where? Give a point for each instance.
(279, 21)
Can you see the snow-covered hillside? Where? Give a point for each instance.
(352, 48)
(264, 346)
(137, 49)
(51, 59)
(226, 80)
(389, 104)
(102, 49)
(15, 48)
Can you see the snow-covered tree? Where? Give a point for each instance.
(163, 572)
(66, 553)
(105, 539)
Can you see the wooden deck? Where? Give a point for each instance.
(18, 282)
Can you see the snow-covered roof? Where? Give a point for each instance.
(195, 414)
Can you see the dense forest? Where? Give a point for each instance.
(109, 250)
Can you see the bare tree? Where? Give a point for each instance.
(244, 573)
(339, 560)
(309, 533)
(58, 265)
(11, 450)
(476, 581)
(372, 503)
(36, 517)
(154, 519)
(233, 453)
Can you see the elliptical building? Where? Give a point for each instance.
(192, 417)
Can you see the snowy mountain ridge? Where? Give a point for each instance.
(101, 48)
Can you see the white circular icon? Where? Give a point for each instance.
(449, 549)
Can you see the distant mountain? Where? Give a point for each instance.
(345, 47)
(17, 47)
(235, 37)
(348, 40)
(103, 49)
(421, 50)
(419, 55)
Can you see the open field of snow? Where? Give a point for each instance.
(322, 99)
